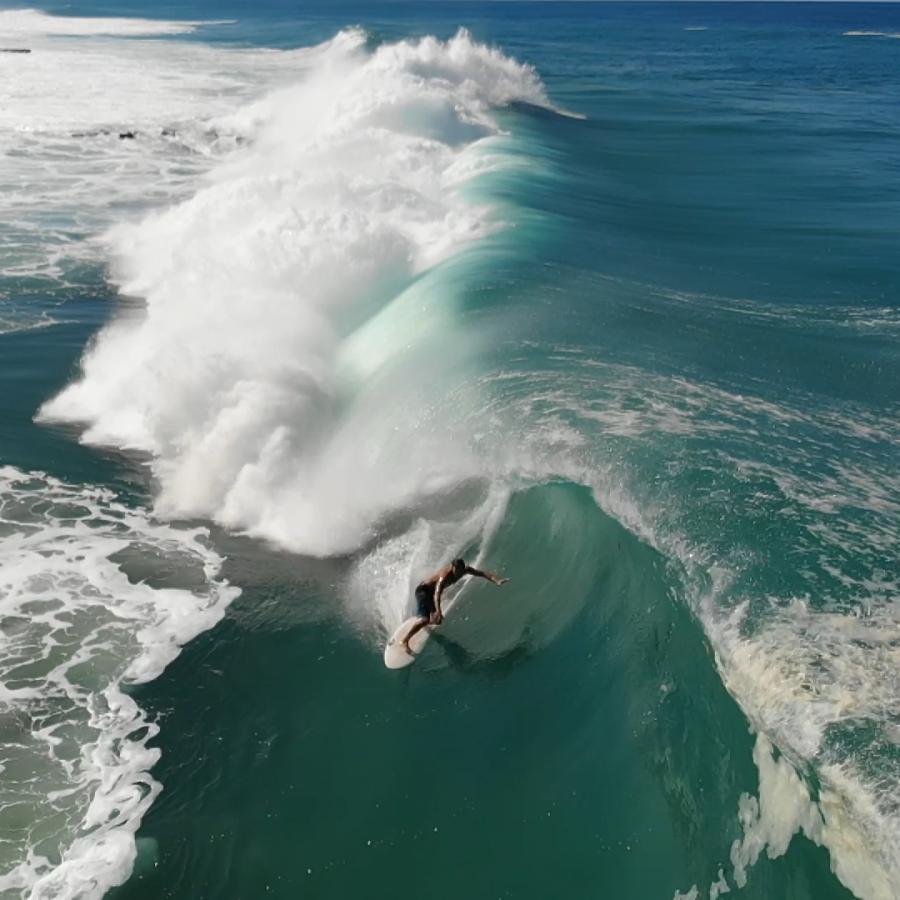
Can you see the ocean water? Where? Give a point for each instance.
(300, 302)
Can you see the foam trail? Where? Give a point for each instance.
(785, 808)
(800, 676)
(79, 617)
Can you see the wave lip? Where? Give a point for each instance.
(806, 680)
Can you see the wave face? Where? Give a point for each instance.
(311, 327)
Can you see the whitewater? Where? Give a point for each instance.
(296, 357)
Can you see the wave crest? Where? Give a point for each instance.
(235, 371)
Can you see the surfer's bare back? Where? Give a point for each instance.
(430, 591)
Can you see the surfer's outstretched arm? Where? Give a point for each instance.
(493, 577)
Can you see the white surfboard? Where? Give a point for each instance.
(395, 657)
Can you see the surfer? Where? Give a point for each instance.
(430, 591)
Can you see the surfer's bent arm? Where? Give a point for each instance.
(493, 577)
(438, 593)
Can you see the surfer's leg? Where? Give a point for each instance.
(414, 630)
(424, 609)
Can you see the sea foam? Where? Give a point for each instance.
(79, 617)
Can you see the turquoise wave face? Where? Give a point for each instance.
(622, 325)
(575, 712)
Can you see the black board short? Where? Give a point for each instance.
(425, 601)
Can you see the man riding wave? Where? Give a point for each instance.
(430, 591)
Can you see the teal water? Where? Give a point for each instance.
(601, 295)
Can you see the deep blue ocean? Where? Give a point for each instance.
(302, 301)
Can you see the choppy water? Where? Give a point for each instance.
(296, 306)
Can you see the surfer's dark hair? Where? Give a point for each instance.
(458, 563)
